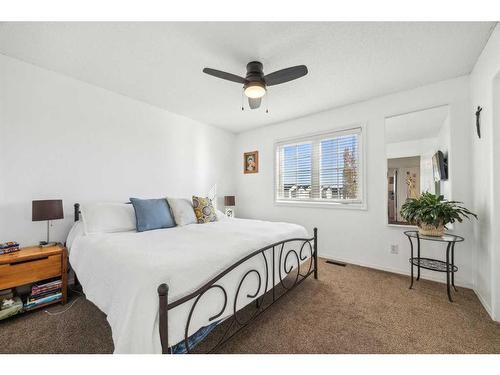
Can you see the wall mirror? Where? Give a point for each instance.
(417, 145)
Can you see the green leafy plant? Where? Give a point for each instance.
(433, 210)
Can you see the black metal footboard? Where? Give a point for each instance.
(287, 275)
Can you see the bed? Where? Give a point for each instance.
(161, 288)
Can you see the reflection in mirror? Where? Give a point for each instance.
(417, 145)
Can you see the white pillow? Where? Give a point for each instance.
(108, 217)
(183, 211)
(221, 216)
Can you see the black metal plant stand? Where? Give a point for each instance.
(434, 264)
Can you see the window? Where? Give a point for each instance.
(320, 169)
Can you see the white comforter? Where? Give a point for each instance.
(120, 273)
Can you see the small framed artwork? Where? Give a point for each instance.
(251, 162)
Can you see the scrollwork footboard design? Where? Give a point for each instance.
(276, 269)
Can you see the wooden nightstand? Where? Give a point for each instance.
(32, 264)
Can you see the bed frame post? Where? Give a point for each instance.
(163, 322)
(76, 208)
(77, 211)
(315, 230)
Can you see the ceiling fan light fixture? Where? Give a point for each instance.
(256, 82)
(255, 90)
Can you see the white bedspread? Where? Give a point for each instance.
(120, 273)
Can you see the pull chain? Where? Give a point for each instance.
(242, 100)
(267, 103)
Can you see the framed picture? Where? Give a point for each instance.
(251, 162)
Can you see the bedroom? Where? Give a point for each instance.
(185, 206)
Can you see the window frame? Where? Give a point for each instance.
(358, 204)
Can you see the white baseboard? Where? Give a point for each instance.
(393, 270)
(485, 304)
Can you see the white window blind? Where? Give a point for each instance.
(323, 168)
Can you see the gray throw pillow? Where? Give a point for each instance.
(183, 211)
(152, 214)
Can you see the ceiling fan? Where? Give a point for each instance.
(255, 83)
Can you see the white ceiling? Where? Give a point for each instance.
(161, 63)
(415, 125)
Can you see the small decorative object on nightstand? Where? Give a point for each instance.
(47, 210)
(45, 268)
(229, 202)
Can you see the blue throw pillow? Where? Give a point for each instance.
(152, 214)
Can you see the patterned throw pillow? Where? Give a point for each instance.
(203, 209)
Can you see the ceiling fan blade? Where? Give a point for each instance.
(224, 75)
(254, 103)
(285, 75)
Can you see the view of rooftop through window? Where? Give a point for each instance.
(338, 171)
(320, 169)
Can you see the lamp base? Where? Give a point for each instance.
(46, 244)
(229, 211)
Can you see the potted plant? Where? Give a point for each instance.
(431, 213)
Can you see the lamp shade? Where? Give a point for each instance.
(229, 200)
(47, 210)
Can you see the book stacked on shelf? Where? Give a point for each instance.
(8, 247)
(42, 294)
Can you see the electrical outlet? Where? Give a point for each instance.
(394, 249)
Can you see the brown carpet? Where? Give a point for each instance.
(348, 310)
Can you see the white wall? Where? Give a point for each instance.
(62, 138)
(363, 237)
(486, 174)
(416, 147)
(495, 222)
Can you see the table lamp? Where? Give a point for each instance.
(229, 202)
(47, 210)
